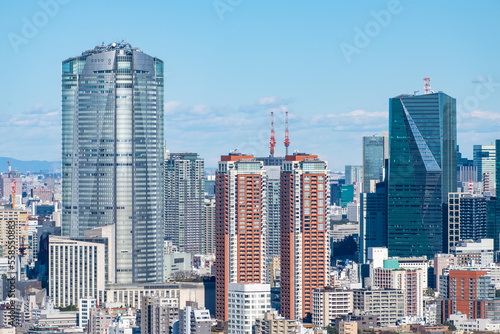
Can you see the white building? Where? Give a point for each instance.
(84, 306)
(130, 295)
(472, 325)
(77, 270)
(470, 252)
(377, 255)
(246, 303)
(329, 304)
(416, 263)
(177, 262)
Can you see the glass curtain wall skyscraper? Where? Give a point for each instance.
(112, 154)
(373, 160)
(422, 171)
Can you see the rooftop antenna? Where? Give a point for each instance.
(273, 138)
(415, 92)
(287, 139)
(427, 85)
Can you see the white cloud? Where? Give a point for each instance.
(37, 116)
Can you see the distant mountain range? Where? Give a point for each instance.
(29, 166)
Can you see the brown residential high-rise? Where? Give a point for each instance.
(304, 232)
(240, 225)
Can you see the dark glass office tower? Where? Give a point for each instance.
(422, 171)
(112, 154)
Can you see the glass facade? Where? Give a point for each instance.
(422, 171)
(484, 159)
(112, 154)
(373, 160)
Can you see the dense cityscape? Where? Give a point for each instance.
(129, 237)
(356, 194)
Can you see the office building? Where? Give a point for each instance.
(177, 263)
(247, 302)
(373, 160)
(305, 254)
(241, 225)
(158, 314)
(112, 154)
(484, 157)
(194, 320)
(470, 253)
(132, 294)
(209, 226)
(388, 305)
(272, 323)
(354, 174)
(184, 195)
(373, 220)
(76, 270)
(467, 218)
(422, 171)
(329, 304)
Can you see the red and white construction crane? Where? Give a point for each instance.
(13, 186)
(287, 140)
(427, 86)
(273, 138)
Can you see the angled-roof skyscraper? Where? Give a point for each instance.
(422, 171)
(112, 154)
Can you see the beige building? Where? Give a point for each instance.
(329, 304)
(272, 323)
(14, 226)
(76, 270)
(347, 327)
(209, 230)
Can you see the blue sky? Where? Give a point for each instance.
(228, 63)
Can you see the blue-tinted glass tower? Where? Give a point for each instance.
(422, 171)
(112, 154)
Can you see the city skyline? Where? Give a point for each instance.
(325, 88)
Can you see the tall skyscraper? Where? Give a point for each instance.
(241, 223)
(484, 157)
(184, 195)
(272, 165)
(422, 171)
(305, 196)
(112, 154)
(373, 160)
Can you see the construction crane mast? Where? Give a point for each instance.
(287, 139)
(13, 186)
(273, 138)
